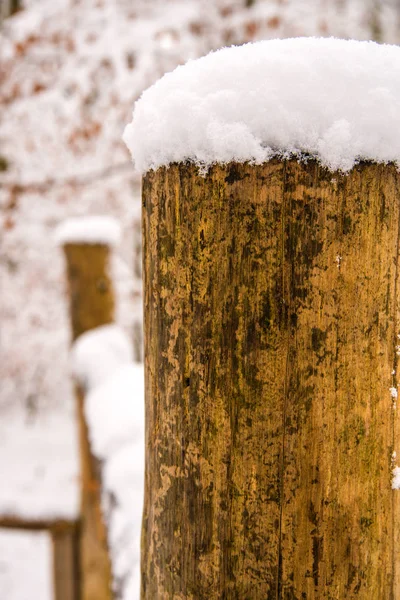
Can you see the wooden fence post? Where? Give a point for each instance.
(66, 568)
(271, 327)
(91, 296)
(92, 303)
(65, 542)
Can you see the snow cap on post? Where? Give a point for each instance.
(101, 229)
(335, 100)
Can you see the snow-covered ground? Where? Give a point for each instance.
(70, 73)
(39, 466)
(25, 565)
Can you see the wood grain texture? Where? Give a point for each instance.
(91, 298)
(271, 323)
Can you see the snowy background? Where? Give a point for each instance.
(70, 73)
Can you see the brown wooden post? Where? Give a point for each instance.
(92, 303)
(65, 542)
(91, 296)
(271, 325)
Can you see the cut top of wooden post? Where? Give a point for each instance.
(335, 100)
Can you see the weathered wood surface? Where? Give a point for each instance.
(271, 323)
(92, 303)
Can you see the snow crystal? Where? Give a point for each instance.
(335, 100)
(89, 230)
(97, 353)
(393, 392)
(396, 478)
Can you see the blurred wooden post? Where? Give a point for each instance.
(65, 542)
(8, 8)
(271, 324)
(92, 303)
(91, 295)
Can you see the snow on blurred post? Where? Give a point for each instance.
(114, 411)
(271, 264)
(87, 244)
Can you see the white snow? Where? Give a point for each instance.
(98, 229)
(97, 353)
(115, 415)
(396, 478)
(393, 392)
(336, 100)
(25, 565)
(114, 410)
(39, 466)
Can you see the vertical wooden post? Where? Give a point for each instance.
(8, 8)
(65, 542)
(91, 296)
(91, 305)
(271, 324)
